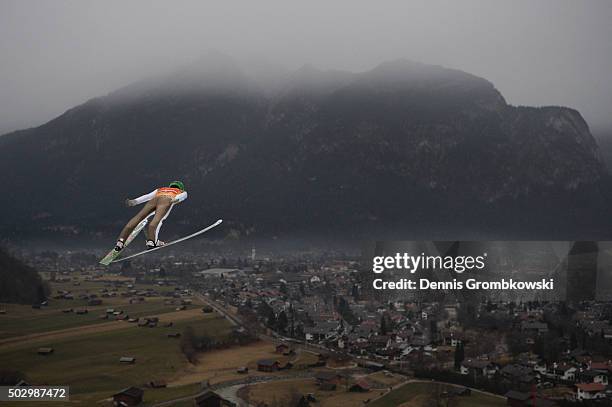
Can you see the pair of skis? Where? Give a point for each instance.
(112, 256)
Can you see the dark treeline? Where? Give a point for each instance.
(193, 342)
(10, 377)
(20, 283)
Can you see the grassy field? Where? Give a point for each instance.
(282, 390)
(87, 348)
(221, 365)
(90, 363)
(305, 358)
(419, 395)
(21, 320)
(151, 396)
(382, 380)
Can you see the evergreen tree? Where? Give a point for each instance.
(272, 321)
(299, 331)
(433, 329)
(573, 341)
(459, 355)
(355, 292)
(282, 321)
(383, 325)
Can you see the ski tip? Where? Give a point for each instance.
(219, 221)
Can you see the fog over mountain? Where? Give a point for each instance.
(403, 150)
(548, 52)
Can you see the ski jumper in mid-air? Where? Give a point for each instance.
(159, 201)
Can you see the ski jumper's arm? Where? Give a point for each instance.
(180, 197)
(144, 198)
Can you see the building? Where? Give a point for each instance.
(212, 399)
(132, 396)
(518, 375)
(478, 368)
(267, 365)
(582, 263)
(360, 385)
(157, 384)
(282, 348)
(565, 372)
(534, 327)
(521, 399)
(327, 386)
(321, 331)
(589, 391)
(458, 392)
(594, 376)
(328, 378)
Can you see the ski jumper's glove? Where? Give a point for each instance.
(141, 199)
(180, 197)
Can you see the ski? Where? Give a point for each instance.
(112, 255)
(182, 239)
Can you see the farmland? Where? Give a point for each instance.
(283, 390)
(90, 362)
(22, 320)
(420, 394)
(222, 364)
(87, 348)
(411, 394)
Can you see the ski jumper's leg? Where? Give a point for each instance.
(144, 212)
(162, 210)
(142, 225)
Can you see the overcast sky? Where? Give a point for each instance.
(56, 54)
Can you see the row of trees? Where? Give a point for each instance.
(20, 283)
(193, 342)
(10, 377)
(343, 308)
(563, 335)
(496, 384)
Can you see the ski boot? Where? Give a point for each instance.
(152, 245)
(119, 245)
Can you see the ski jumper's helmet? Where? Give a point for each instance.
(177, 184)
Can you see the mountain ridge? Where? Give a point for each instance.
(321, 154)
